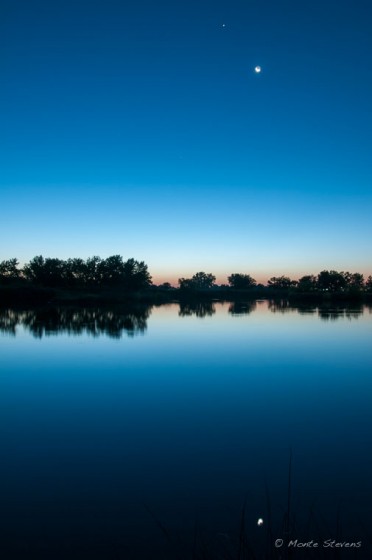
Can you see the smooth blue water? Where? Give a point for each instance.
(121, 430)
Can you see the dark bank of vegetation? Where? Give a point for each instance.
(45, 280)
(112, 280)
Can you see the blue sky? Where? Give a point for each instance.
(141, 129)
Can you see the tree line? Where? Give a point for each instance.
(92, 272)
(330, 281)
(132, 275)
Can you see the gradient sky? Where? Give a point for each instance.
(140, 128)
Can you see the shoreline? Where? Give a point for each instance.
(37, 295)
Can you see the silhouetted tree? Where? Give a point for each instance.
(186, 284)
(9, 270)
(92, 274)
(136, 275)
(166, 286)
(76, 272)
(331, 281)
(281, 283)
(241, 281)
(203, 280)
(368, 284)
(200, 281)
(47, 272)
(307, 284)
(33, 271)
(111, 271)
(354, 282)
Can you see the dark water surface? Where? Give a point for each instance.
(141, 433)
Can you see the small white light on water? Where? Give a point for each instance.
(257, 69)
(260, 521)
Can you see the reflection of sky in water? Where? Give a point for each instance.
(190, 415)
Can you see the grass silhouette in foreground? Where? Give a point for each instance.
(284, 541)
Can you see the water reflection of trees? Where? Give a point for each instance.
(332, 314)
(199, 308)
(280, 305)
(324, 312)
(8, 321)
(76, 321)
(114, 322)
(242, 307)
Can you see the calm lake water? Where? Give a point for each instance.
(141, 433)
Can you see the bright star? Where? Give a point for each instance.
(260, 521)
(257, 69)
